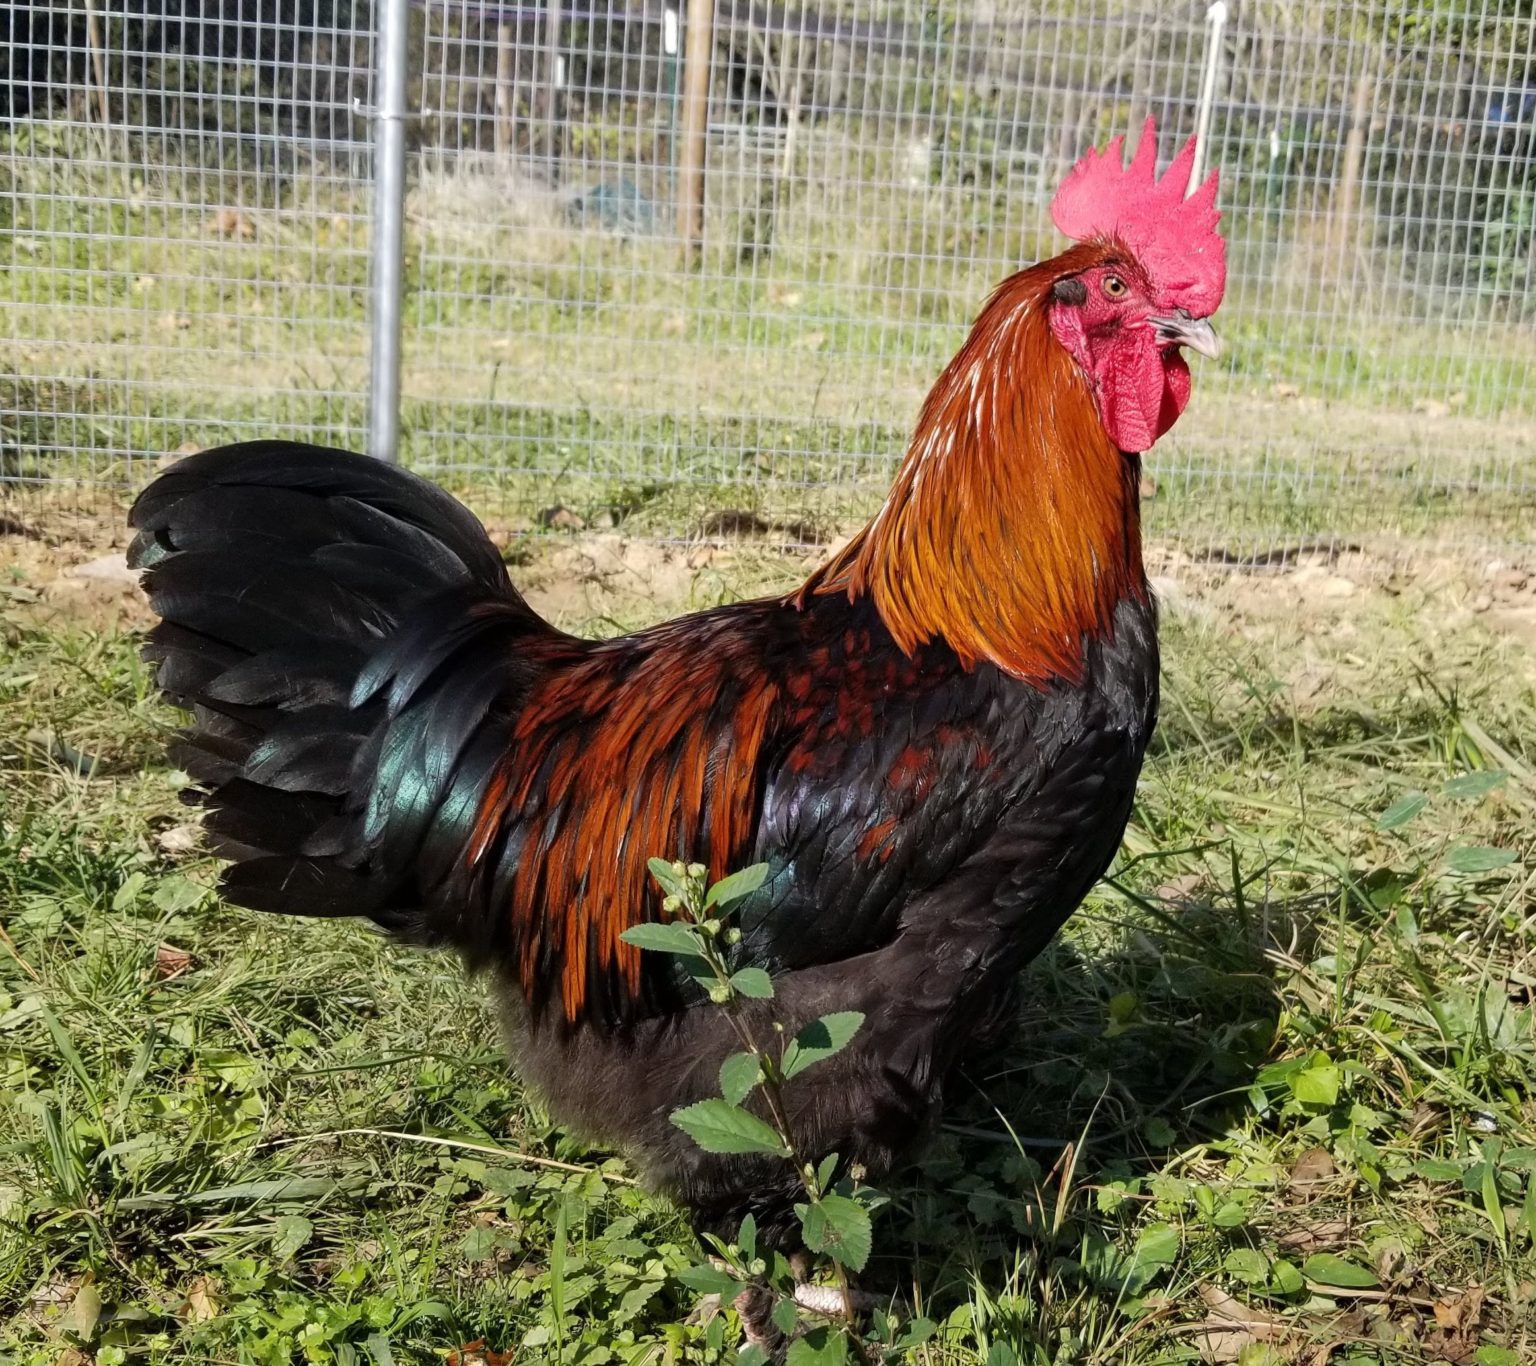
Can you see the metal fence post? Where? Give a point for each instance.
(388, 237)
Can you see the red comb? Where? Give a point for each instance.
(1173, 238)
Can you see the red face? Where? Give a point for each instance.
(1127, 340)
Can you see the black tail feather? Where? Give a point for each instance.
(341, 632)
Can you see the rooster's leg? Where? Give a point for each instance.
(755, 1308)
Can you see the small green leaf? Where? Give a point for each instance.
(720, 1127)
(378, 1348)
(739, 884)
(828, 1167)
(672, 937)
(753, 982)
(839, 1227)
(1327, 1269)
(1317, 1084)
(128, 893)
(820, 1040)
(1158, 1132)
(739, 1073)
(1247, 1264)
(1477, 858)
(1493, 1205)
(177, 894)
(1230, 1215)
(746, 1237)
(751, 1355)
(918, 1332)
(289, 1235)
(786, 1317)
(1403, 810)
(819, 1347)
(479, 1244)
(1473, 785)
(708, 1280)
(1156, 1245)
(1431, 1170)
(1489, 1355)
(1285, 1279)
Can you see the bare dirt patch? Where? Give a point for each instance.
(66, 560)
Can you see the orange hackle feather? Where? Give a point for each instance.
(1013, 527)
(606, 769)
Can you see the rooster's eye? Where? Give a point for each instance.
(1114, 287)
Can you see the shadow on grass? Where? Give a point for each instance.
(1130, 1044)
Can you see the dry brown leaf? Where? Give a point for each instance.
(1458, 1320)
(1316, 1236)
(202, 1301)
(1454, 1312)
(1231, 1327)
(1391, 1262)
(171, 961)
(55, 1292)
(1460, 1349)
(1312, 1167)
(1229, 1307)
(1181, 888)
(179, 840)
(1424, 1119)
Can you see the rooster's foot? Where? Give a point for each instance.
(827, 1300)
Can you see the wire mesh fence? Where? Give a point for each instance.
(690, 273)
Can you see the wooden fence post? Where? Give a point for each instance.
(1354, 159)
(506, 90)
(697, 55)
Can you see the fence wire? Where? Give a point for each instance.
(688, 319)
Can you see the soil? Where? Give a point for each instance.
(65, 560)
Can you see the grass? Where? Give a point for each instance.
(1269, 1099)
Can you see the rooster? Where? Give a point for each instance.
(933, 743)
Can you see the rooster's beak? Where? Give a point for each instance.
(1179, 329)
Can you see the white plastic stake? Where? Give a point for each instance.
(388, 238)
(1216, 17)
